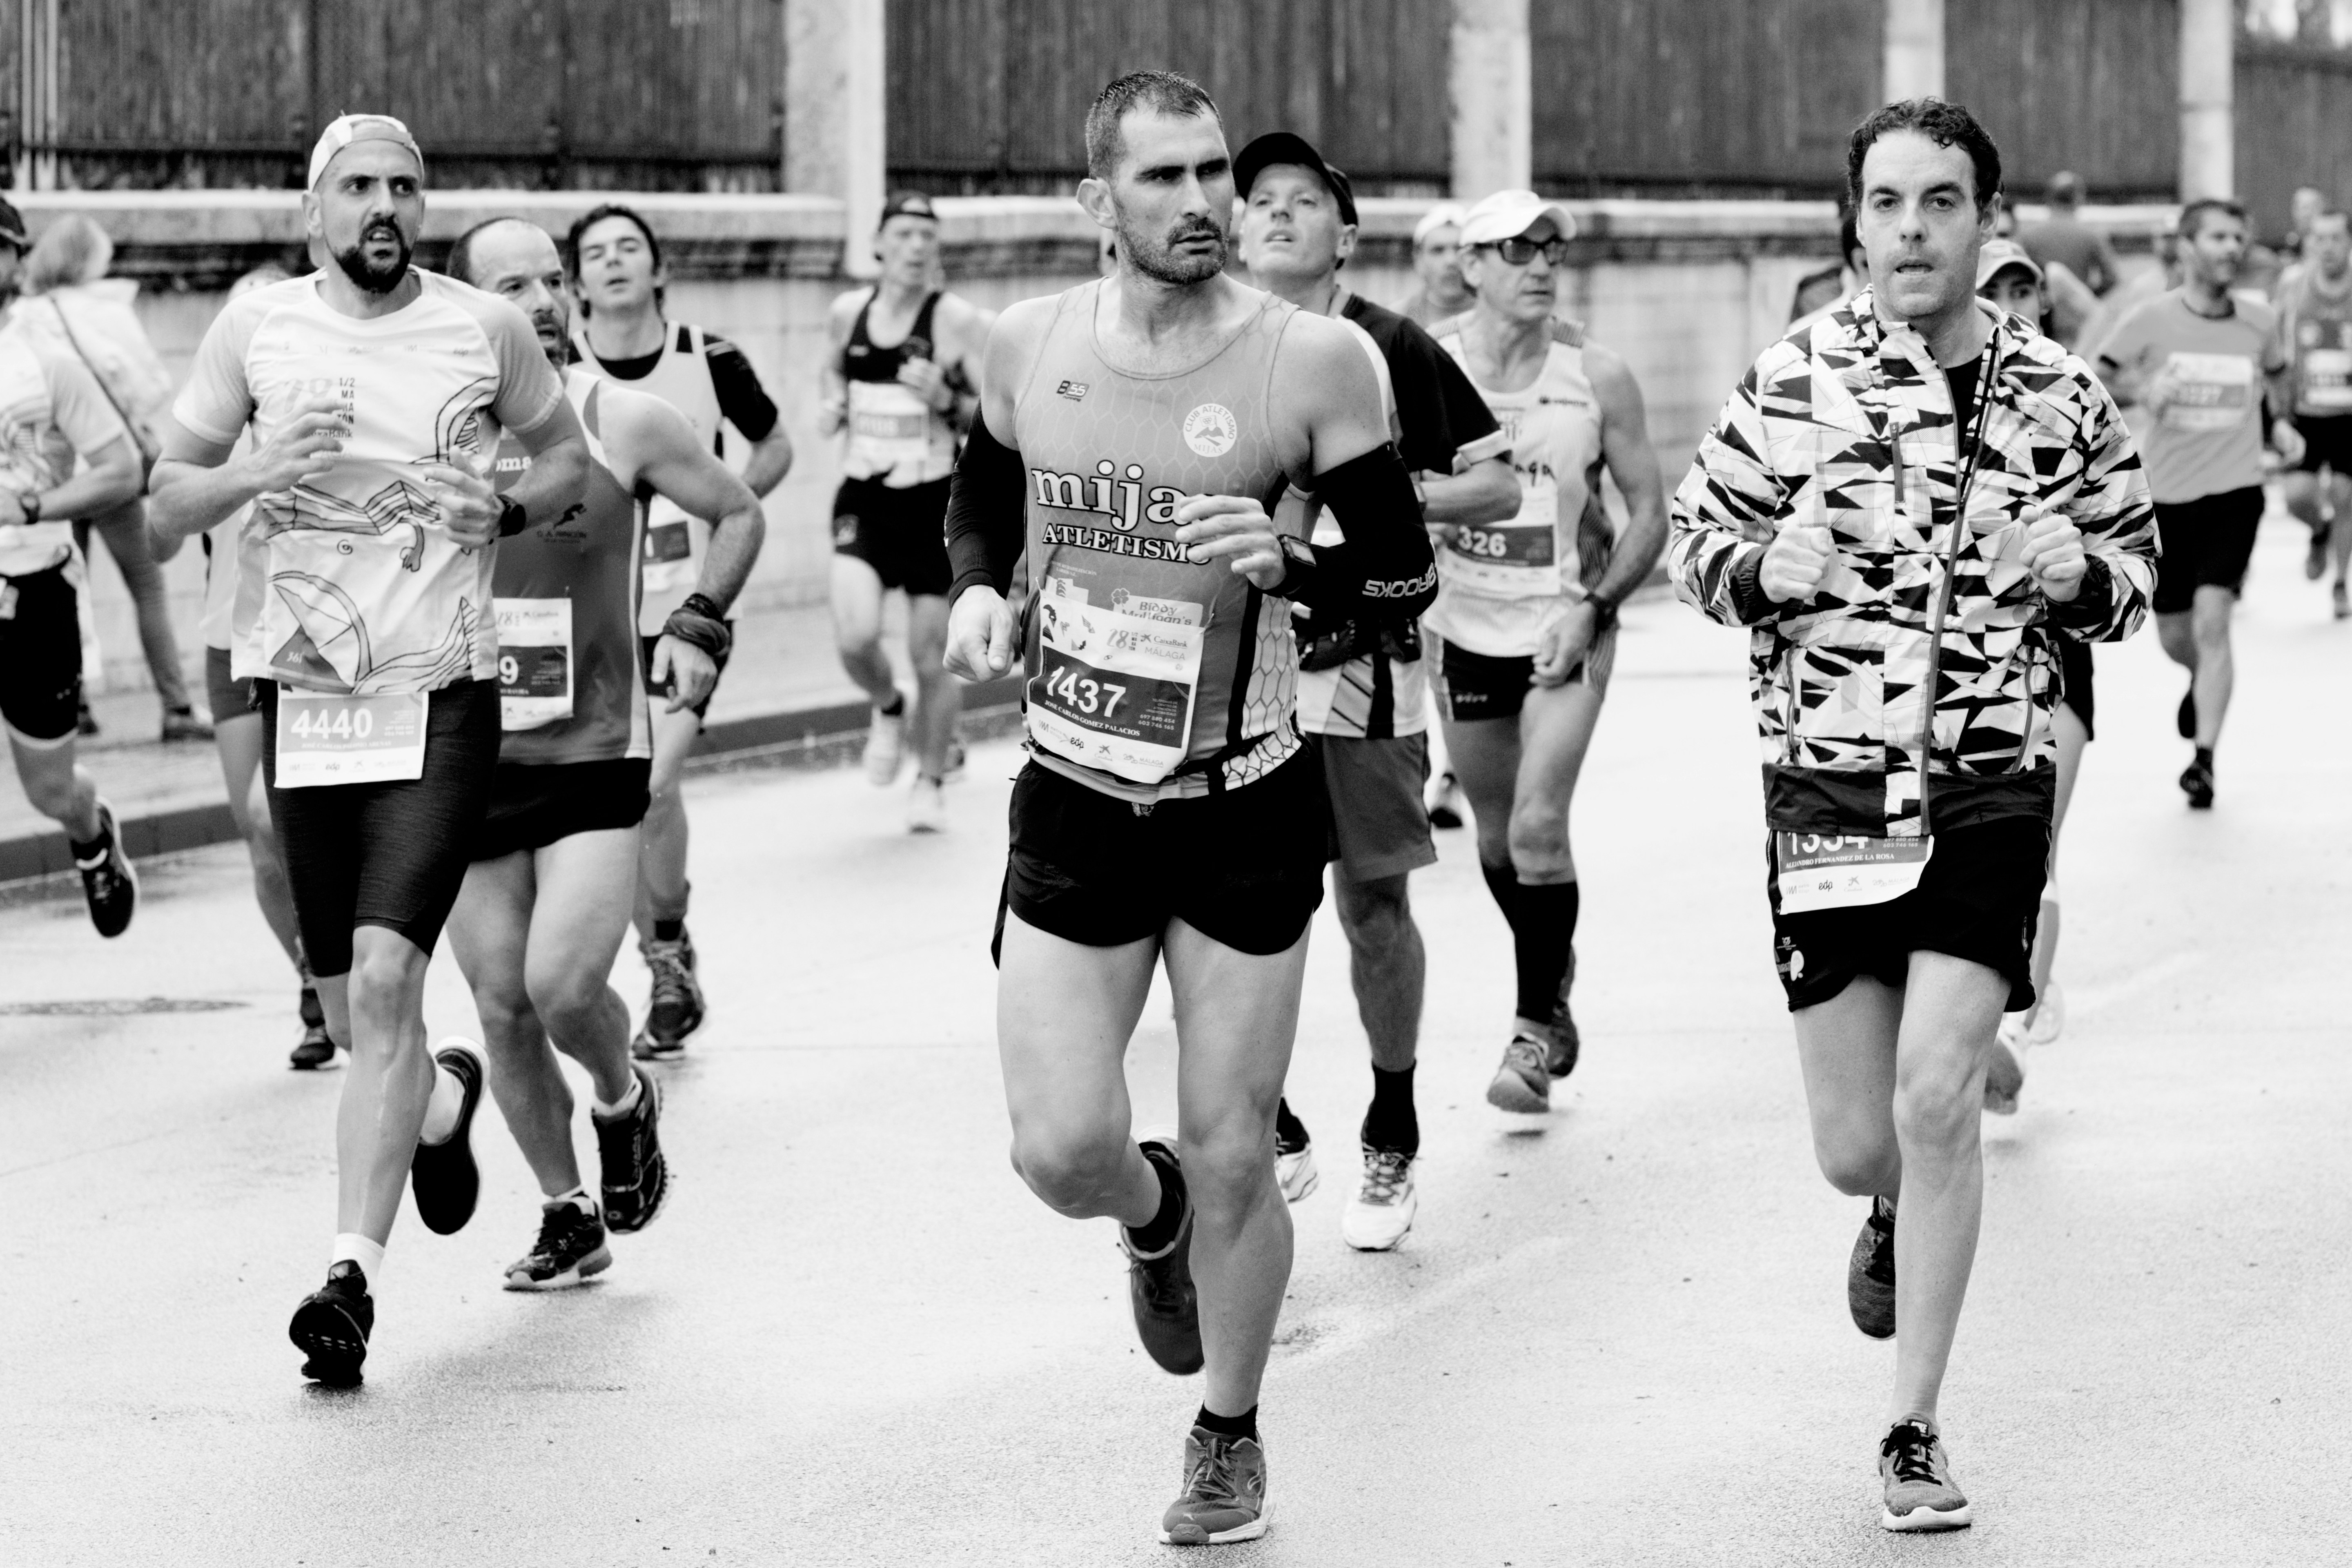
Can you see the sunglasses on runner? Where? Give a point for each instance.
(1518, 250)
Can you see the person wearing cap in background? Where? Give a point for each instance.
(2064, 237)
(13, 246)
(902, 380)
(1526, 609)
(615, 262)
(2049, 297)
(376, 394)
(1437, 262)
(1362, 693)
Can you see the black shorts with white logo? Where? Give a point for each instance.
(40, 658)
(1483, 686)
(902, 532)
(1243, 868)
(1978, 898)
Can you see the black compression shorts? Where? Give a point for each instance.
(390, 855)
(2327, 443)
(1243, 868)
(40, 658)
(2208, 543)
(1978, 898)
(1483, 686)
(901, 532)
(532, 804)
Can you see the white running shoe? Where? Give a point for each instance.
(886, 747)
(1382, 1210)
(2013, 1030)
(926, 807)
(2050, 1018)
(1293, 1171)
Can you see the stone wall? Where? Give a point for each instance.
(1687, 291)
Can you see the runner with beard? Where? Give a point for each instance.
(548, 898)
(376, 395)
(1134, 435)
(1363, 693)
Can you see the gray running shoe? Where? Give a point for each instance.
(1225, 1492)
(676, 1010)
(1167, 1307)
(1919, 1480)
(1870, 1275)
(1523, 1083)
(569, 1250)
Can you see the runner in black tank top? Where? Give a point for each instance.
(900, 405)
(549, 895)
(1136, 434)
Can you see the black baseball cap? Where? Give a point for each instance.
(1289, 147)
(12, 226)
(906, 204)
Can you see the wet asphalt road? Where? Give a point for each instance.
(853, 1337)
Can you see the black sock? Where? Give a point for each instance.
(670, 931)
(1391, 1126)
(85, 850)
(1161, 1233)
(1288, 1130)
(896, 706)
(1543, 938)
(1242, 1425)
(2205, 756)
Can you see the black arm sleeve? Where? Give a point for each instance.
(1383, 572)
(984, 506)
(742, 398)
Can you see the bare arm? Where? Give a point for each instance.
(195, 484)
(986, 500)
(833, 387)
(1485, 491)
(558, 475)
(110, 478)
(661, 449)
(1634, 464)
(964, 342)
(770, 460)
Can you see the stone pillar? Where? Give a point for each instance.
(1913, 65)
(1491, 83)
(835, 97)
(2209, 33)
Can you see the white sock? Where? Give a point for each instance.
(579, 1197)
(441, 1111)
(627, 1103)
(350, 1245)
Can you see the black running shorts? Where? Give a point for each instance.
(1978, 898)
(661, 698)
(2327, 443)
(532, 804)
(1243, 868)
(228, 696)
(390, 855)
(2074, 682)
(1379, 824)
(40, 658)
(902, 532)
(1480, 686)
(2207, 544)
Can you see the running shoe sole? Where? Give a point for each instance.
(443, 1176)
(1195, 1536)
(1358, 1234)
(1870, 1302)
(1513, 1093)
(580, 1273)
(326, 1331)
(1921, 1519)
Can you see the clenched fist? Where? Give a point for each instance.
(1794, 562)
(2053, 554)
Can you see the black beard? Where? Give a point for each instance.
(371, 279)
(1156, 259)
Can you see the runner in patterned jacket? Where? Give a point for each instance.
(1848, 424)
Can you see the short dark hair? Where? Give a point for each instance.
(460, 264)
(2192, 216)
(589, 220)
(1944, 124)
(1162, 93)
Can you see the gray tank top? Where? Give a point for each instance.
(1150, 678)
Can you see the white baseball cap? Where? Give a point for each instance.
(346, 129)
(1437, 217)
(1507, 215)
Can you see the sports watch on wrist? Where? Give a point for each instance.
(1297, 565)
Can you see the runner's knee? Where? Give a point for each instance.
(1375, 914)
(1856, 1157)
(1071, 1169)
(1538, 838)
(1938, 1101)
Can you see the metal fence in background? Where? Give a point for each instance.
(624, 94)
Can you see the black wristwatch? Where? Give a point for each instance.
(1298, 566)
(513, 519)
(1604, 611)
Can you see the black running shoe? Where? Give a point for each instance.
(569, 1250)
(2314, 559)
(636, 1176)
(2185, 720)
(676, 1010)
(1167, 1308)
(332, 1324)
(1870, 1275)
(108, 881)
(443, 1176)
(315, 1050)
(2196, 783)
(1559, 1059)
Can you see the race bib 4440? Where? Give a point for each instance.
(1830, 871)
(334, 738)
(1115, 683)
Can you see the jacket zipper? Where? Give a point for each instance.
(1943, 592)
